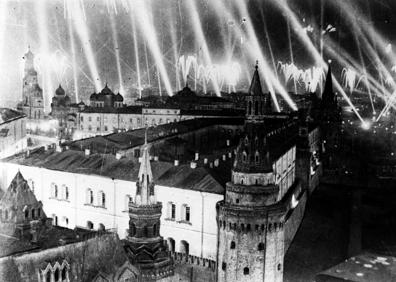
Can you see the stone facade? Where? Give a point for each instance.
(261, 198)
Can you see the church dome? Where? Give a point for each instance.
(106, 91)
(60, 91)
(119, 98)
(93, 96)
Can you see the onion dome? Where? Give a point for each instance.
(60, 91)
(106, 91)
(119, 98)
(93, 96)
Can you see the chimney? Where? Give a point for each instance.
(196, 156)
(193, 165)
(228, 142)
(216, 162)
(176, 162)
(87, 152)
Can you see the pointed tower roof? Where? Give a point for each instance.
(18, 193)
(255, 85)
(145, 182)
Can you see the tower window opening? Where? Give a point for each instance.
(279, 267)
(260, 247)
(223, 266)
(246, 271)
(256, 108)
(232, 246)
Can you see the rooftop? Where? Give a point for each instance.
(202, 179)
(362, 268)
(7, 115)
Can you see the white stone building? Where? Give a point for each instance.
(72, 199)
(12, 132)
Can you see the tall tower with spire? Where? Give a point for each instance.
(330, 122)
(257, 103)
(32, 95)
(251, 236)
(145, 246)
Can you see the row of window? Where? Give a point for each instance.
(101, 198)
(60, 194)
(185, 212)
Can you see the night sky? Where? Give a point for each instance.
(176, 36)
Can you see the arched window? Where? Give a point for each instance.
(56, 274)
(64, 275)
(33, 213)
(279, 266)
(65, 192)
(39, 212)
(250, 108)
(55, 219)
(257, 157)
(90, 225)
(223, 266)
(54, 190)
(246, 271)
(171, 244)
(244, 156)
(101, 227)
(26, 213)
(155, 230)
(89, 197)
(256, 108)
(232, 245)
(102, 199)
(186, 213)
(132, 228)
(184, 247)
(48, 276)
(6, 214)
(260, 247)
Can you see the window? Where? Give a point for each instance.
(98, 129)
(33, 213)
(260, 247)
(26, 214)
(89, 197)
(173, 211)
(66, 193)
(232, 246)
(82, 118)
(223, 266)
(246, 271)
(89, 128)
(257, 157)
(279, 267)
(105, 128)
(187, 213)
(97, 118)
(54, 190)
(102, 199)
(89, 119)
(90, 225)
(184, 247)
(244, 156)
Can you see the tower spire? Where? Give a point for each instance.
(255, 85)
(145, 194)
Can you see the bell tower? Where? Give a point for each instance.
(145, 246)
(32, 94)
